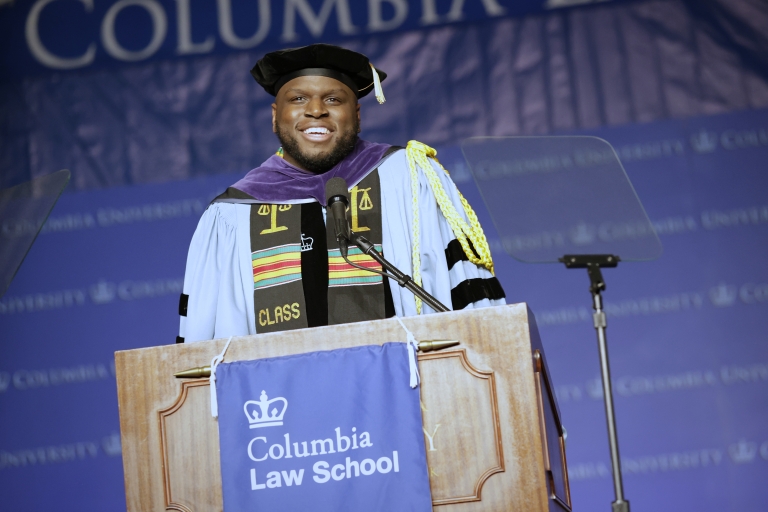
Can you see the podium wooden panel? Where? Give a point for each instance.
(492, 428)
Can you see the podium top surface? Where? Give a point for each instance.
(327, 337)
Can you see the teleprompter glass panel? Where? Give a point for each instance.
(23, 211)
(552, 196)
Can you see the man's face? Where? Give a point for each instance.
(317, 120)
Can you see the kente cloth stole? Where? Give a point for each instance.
(277, 243)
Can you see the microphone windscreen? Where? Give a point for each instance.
(335, 187)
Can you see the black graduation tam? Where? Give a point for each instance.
(352, 69)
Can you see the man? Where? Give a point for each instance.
(263, 257)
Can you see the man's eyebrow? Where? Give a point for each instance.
(296, 90)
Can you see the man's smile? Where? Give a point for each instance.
(316, 133)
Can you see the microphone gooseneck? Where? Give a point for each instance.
(337, 201)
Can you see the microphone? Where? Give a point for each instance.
(336, 199)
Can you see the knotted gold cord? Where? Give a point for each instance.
(417, 155)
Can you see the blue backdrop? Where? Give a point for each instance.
(678, 88)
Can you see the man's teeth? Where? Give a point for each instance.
(318, 130)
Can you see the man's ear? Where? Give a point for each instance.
(358, 118)
(274, 117)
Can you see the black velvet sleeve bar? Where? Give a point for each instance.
(473, 290)
(454, 253)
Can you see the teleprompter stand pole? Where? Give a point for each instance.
(593, 263)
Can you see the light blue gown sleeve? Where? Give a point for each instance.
(434, 236)
(218, 280)
(461, 270)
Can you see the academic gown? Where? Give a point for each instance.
(219, 283)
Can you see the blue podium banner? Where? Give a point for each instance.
(326, 431)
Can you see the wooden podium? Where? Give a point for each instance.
(492, 427)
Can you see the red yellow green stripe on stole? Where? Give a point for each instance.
(341, 273)
(277, 265)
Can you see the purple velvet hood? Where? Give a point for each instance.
(277, 181)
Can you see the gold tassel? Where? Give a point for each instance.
(377, 90)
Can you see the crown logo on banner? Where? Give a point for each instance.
(583, 234)
(103, 292)
(704, 141)
(259, 415)
(723, 295)
(112, 445)
(743, 452)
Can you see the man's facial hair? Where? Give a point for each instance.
(322, 162)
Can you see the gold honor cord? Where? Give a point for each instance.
(417, 155)
(411, 153)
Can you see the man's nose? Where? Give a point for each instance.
(316, 108)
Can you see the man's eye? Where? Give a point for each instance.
(333, 100)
